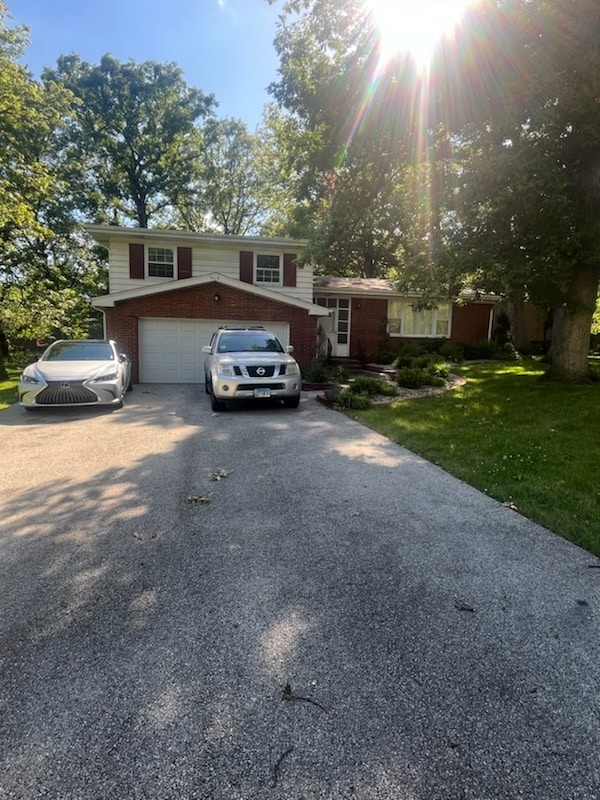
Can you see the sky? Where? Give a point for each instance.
(224, 47)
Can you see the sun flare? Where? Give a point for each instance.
(415, 26)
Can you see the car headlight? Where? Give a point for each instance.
(292, 369)
(29, 379)
(226, 369)
(111, 376)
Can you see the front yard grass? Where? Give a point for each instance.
(8, 389)
(513, 436)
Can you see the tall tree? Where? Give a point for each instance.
(351, 147)
(225, 195)
(520, 89)
(132, 135)
(40, 281)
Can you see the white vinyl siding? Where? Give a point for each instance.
(223, 260)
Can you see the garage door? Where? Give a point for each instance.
(171, 349)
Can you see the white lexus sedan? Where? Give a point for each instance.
(76, 372)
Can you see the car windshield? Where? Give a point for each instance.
(255, 341)
(79, 351)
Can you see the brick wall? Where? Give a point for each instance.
(122, 322)
(369, 326)
(470, 322)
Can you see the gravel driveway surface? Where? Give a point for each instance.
(329, 616)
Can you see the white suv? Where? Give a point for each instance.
(250, 364)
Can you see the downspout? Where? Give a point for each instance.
(491, 324)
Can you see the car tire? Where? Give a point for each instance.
(216, 405)
(291, 402)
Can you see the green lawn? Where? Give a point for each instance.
(8, 389)
(514, 437)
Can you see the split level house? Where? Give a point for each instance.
(169, 290)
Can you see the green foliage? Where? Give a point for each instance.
(8, 388)
(372, 387)
(129, 149)
(452, 351)
(315, 373)
(385, 357)
(47, 271)
(348, 399)
(226, 193)
(527, 160)
(417, 377)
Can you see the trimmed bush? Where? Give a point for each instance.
(372, 387)
(316, 373)
(344, 398)
(452, 351)
(385, 357)
(416, 378)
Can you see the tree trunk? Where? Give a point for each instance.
(571, 332)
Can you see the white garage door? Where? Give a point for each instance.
(171, 349)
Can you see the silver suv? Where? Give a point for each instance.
(250, 364)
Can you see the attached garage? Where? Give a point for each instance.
(170, 350)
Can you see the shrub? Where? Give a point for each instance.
(416, 378)
(452, 351)
(372, 387)
(340, 375)
(349, 399)
(483, 349)
(385, 357)
(316, 373)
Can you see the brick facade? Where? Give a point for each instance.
(368, 325)
(122, 321)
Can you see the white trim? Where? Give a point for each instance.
(104, 233)
(266, 285)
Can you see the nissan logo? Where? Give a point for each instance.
(260, 371)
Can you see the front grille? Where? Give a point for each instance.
(269, 371)
(56, 393)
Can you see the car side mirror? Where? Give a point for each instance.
(289, 349)
(123, 358)
(207, 349)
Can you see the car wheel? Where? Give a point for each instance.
(216, 405)
(291, 402)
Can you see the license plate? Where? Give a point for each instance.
(262, 393)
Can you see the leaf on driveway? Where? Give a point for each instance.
(199, 499)
(219, 474)
(458, 604)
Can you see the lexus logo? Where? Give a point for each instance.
(260, 371)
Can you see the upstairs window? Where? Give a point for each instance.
(160, 262)
(268, 269)
(405, 319)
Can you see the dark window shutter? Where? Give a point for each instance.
(289, 269)
(136, 261)
(184, 262)
(246, 266)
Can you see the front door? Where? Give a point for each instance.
(337, 326)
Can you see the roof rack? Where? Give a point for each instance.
(241, 327)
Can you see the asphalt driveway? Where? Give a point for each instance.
(267, 603)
